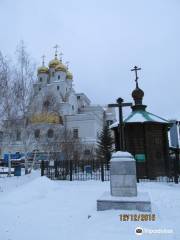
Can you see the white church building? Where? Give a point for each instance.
(55, 105)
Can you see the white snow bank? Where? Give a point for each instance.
(61, 210)
(9, 183)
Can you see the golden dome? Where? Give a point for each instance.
(53, 63)
(43, 69)
(61, 67)
(69, 75)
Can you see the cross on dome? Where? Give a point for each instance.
(136, 69)
(43, 57)
(56, 50)
(60, 56)
(67, 64)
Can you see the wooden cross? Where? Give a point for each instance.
(43, 57)
(136, 69)
(120, 105)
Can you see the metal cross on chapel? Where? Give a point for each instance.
(120, 105)
(136, 69)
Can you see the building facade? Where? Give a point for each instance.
(55, 106)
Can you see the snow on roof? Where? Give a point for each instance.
(114, 125)
(120, 155)
(141, 116)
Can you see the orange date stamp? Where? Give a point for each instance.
(137, 217)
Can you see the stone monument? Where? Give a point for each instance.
(123, 187)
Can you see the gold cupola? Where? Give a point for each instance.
(69, 75)
(43, 68)
(54, 63)
(61, 67)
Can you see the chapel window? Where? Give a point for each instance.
(40, 79)
(1, 136)
(75, 133)
(50, 133)
(57, 87)
(37, 133)
(18, 135)
(58, 76)
(46, 105)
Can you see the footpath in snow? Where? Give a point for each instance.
(36, 208)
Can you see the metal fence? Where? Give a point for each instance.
(76, 170)
(99, 170)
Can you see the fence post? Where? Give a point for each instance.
(9, 165)
(42, 168)
(137, 177)
(102, 171)
(176, 167)
(70, 166)
(56, 171)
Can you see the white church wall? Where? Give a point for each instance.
(43, 78)
(60, 76)
(87, 124)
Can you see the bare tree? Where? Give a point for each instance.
(24, 75)
(16, 85)
(7, 107)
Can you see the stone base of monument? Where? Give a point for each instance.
(141, 202)
(123, 187)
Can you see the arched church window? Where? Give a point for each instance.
(46, 105)
(1, 136)
(50, 133)
(18, 135)
(57, 87)
(58, 76)
(40, 79)
(75, 133)
(37, 133)
(39, 89)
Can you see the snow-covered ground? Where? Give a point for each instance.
(36, 208)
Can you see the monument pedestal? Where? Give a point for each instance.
(141, 202)
(123, 194)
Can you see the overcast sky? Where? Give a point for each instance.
(103, 40)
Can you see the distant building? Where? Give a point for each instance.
(55, 105)
(174, 133)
